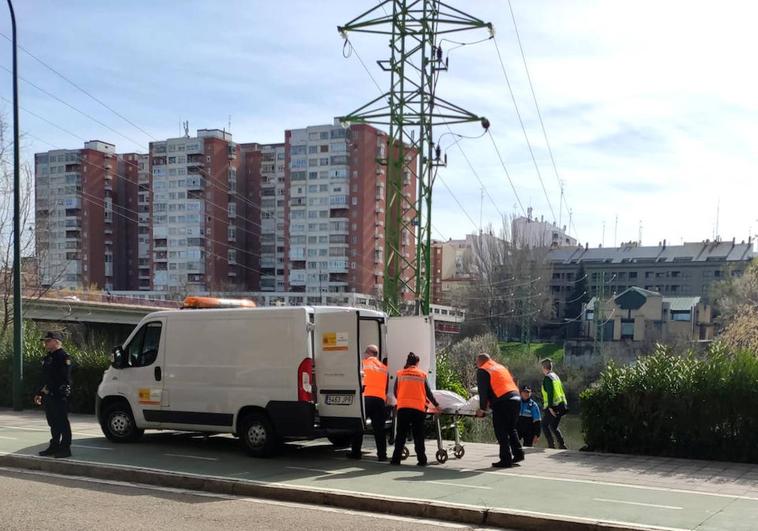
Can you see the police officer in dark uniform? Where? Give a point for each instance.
(54, 394)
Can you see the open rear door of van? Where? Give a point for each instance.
(411, 334)
(337, 369)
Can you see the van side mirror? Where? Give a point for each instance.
(117, 357)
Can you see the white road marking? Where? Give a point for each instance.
(388, 497)
(309, 469)
(91, 447)
(459, 485)
(9, 438)
(613, 484)
(193, 457)
(47, 429)
(672, 507)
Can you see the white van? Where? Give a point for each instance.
(266, 375)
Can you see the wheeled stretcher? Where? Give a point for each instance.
(454, 407)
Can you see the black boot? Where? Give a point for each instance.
(50, 450)
(63, 451)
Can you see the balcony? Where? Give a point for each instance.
(338, 212)
(195, 183)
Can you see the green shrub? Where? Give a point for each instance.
(89, 362)
(682, 405)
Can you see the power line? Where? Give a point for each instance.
(53, 70)
(523, 128)
(537, 107)
(471, 167)
(56, 98)
(458, 202)
(351, 49)
(507, 174)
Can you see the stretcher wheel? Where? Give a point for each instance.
(441, 456)
(405, 453)
(459, 451)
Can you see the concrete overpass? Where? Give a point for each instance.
(68, 310)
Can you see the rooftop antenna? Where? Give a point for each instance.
(603, 241)
(185, 125)
(639, 236)
(716, 226)
(615, 231)
(230, 124)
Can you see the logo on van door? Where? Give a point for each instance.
(149, 396)
(335, 341)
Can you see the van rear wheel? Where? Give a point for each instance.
(117, 423)
(257, 435)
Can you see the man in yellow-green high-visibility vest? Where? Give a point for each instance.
(554, 404)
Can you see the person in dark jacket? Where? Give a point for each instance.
(412, 392)
(499, 392)
(529, 420)
(54, 394)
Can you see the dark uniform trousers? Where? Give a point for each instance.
(376, 410)
(505, 413)
(56, 411)
(410, 420)
(526, 430)
(551, 423)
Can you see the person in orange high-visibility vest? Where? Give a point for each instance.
(375, 381)
(499, 391)
(412, 392)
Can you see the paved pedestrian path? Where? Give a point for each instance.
(643, 491)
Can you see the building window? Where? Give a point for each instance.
(627, 329)
(681, 315)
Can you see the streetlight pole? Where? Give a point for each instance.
(18, 329)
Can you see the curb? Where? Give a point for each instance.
(464, 514)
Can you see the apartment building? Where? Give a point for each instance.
(262, 167)
(687, 270)
(141, 163)
(454, 264)
(82, 204)
(337, 208)
(204, 214)
(196, 242)
(530, 231)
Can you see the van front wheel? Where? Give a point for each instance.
(257, 435)
(118, 423)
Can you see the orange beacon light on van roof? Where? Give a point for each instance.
(197, 303)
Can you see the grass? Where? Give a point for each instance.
(510, 350)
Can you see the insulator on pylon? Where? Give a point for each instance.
(438, 152)
(439, 54)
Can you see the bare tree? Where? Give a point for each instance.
(31, 259)
(510, 290)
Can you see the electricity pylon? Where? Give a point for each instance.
(410, 109)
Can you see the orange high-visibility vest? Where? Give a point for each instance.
(411, 389)
(501, 380)
(374, 378)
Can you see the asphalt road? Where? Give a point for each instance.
(654, 492)
(36, 501)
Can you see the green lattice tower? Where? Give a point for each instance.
(410, 109)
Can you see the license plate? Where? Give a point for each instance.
(339, 400)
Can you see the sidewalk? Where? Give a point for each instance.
(581, 490)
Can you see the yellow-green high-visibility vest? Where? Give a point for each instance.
(559, 396)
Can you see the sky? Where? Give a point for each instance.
(650, 108)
